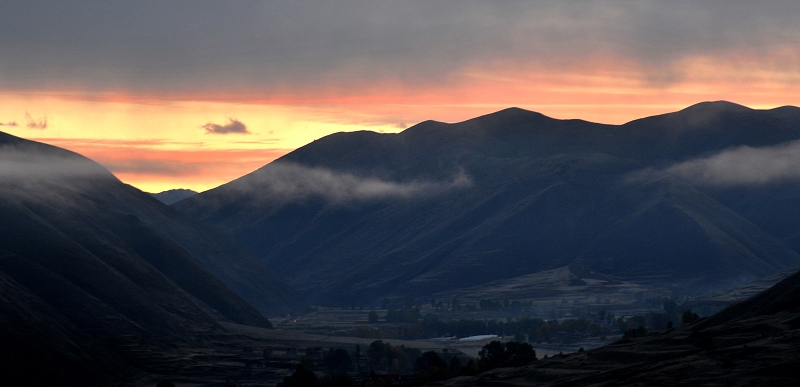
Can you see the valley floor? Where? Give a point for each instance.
(237, 357)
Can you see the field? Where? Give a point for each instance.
(237, 356)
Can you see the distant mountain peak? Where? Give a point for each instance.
(512, 114)
(173, 195)
(516, 110)
(716, 107)
(697, 115)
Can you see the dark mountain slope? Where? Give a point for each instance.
(35, 334)
(508, 194)
(707, 128)
(783, 298)
(91, 283)
(217, 252)
(700, 130)
(214, 251)
(752, 343)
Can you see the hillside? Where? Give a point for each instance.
(356, 217)
(97, 275)
(754, 342)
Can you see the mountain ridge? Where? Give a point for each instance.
(538, 187)
(101, 276)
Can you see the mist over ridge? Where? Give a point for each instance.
(743, 165)
(289, 182)
(99, 277)
(543, 193)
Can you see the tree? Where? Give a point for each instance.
(455, 365)
(431, 368)
(670, 306)
(498, 354)
(519, 354)
(336, 380)
(689, 317)
(384, 356)
(373, 317)
(267, 352)
(303, 376)
(430, 359)
(338, 360)
(635, 332)
(493, 354)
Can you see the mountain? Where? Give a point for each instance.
(751, 343)
(214, 251)
(173, 195)
(356, 217)
(97, 275)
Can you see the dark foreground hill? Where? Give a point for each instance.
(356, 217)
(753, 343)
(96, 275)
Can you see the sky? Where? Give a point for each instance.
(193, 94)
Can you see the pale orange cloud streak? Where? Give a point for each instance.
(600, 89)
(142, 164)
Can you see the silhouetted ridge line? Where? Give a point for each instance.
(105, 278)
(538, 193)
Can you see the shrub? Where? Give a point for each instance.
(635, 332)
(509, 354)
(689, 317)
(338, 360)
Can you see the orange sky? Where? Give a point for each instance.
(135, 92)
(156, 142)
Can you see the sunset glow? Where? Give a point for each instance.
(290, 78)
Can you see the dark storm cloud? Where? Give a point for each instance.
(233, 126)
(277, 46)
(35, 124)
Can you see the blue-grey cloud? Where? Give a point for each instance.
(743, 166)
(288, 182)
(32, 163)
(179, 46)
(233, 126)
(36, 124)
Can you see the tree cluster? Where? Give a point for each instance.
(394, 361)
(523, 329)
(386, 357)
(411, 315)
(508, 354)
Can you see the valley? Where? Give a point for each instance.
(449, 193)
(236, 356)
(511, 227)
